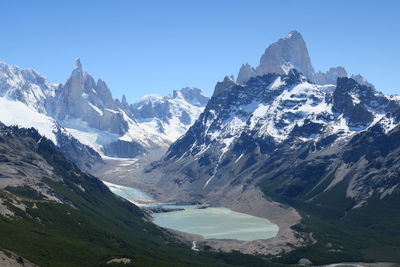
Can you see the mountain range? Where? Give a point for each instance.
(315, 152)
(85, 110)
(328, 150)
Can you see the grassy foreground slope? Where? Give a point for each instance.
(69, 218)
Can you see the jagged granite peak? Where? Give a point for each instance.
(286, 53)
(245, 73)
(92, 102)
(86, 109)
(124, 101)
(78, 63)
(330, 76)
(361, 80)
(226, 84)
(291, 53)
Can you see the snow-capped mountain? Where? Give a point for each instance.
(25, 98)
(245, 128)
(83, 98)
(26, 86)
(168, 117)
(22, 115)
(291, 53)
(86, 110)
(117, 129)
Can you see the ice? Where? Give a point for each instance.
(17, 113)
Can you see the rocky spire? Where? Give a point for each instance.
(124, 102)
(331, 76)
(286, 53)
(227, 83)
(78, 64)
(245, 73)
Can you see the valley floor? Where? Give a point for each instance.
(252, 202)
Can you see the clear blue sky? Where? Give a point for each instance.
(144, 47)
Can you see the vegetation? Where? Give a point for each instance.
(91, 226)
(368, 234)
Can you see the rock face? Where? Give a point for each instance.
(86, 110)
(83, 98)
(26, 86)
(331, 76)
(245, 73)
(291, 52)
(224, 86)
(332, 153)
(361, 80)
(287, 53)
(83, 156)
(123, 149)
(243, 124)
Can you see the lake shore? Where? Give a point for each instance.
(251, 202)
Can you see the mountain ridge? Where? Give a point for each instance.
(292, 52)
(86, 110)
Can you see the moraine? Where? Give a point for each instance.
(209, 222)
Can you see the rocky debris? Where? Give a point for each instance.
(10, 259)
(157, 209)
(123, 149)
(23, 168)
(305, 262)
(120, 261)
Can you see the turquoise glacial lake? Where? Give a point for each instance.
(210, 222)
(216, 222)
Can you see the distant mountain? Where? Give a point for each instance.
(86, 110)
(331, 76)
(328, 150)
(261, 115)
(26, 86)
(291, 53)
(20, 114)
(169, 117)
(245, 73)
(91, 102)
(285, 54)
